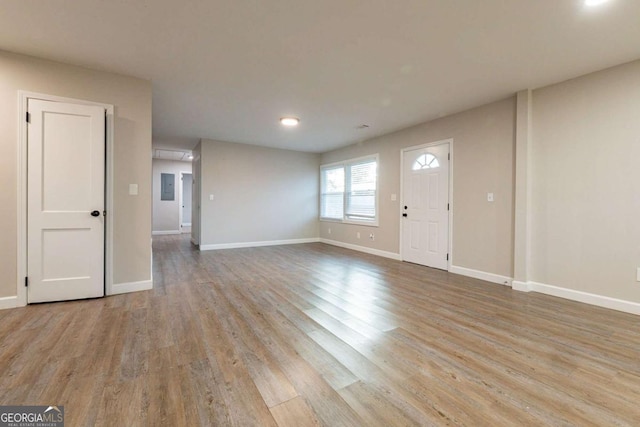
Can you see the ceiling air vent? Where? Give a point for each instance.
(184, 156)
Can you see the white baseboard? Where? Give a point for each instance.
(120, 288)
(219, 246)
(123, 288)
(8, 302)
(584, 297)
(517, 285)
(165, 233)
(482, 275)
(364, 249)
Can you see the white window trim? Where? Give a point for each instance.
(344, 163)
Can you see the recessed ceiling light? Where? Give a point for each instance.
(594, 2)
(290, 121)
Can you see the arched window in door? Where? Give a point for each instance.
(426, 161)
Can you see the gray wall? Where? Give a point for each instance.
(260, 194)
(586, 183)
(583, 175)
(132, 162)
(166, 213)
(483, 161)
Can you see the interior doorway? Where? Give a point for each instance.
(186, 200)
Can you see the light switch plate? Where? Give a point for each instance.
(489, 197)
(210, 196)
(393, 197)
(638, 275)
(133, 189)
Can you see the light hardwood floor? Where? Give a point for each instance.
(317, 335)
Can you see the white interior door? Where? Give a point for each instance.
(187, 190)
(425, 206)
(65, 201)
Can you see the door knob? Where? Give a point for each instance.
(95, 213)
(404, 215)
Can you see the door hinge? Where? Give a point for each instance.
(26, 282)
(449, 156)
(104, 213)
(447, 257)
(448, 206)
(28, 117)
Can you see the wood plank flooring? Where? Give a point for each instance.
(314, 335)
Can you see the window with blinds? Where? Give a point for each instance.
(332, 192)
(349, 190)
(360, 197)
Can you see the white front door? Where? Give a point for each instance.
(65, 202)
(425, 206)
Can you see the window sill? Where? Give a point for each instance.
(351, 222)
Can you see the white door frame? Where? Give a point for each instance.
(23, 97)
(181, 199)
(402, 223)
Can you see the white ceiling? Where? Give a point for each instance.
(229, 69)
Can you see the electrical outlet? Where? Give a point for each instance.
(329, 231)
(372, 237)
(489, 197)
(358, 234)
(638, 275)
